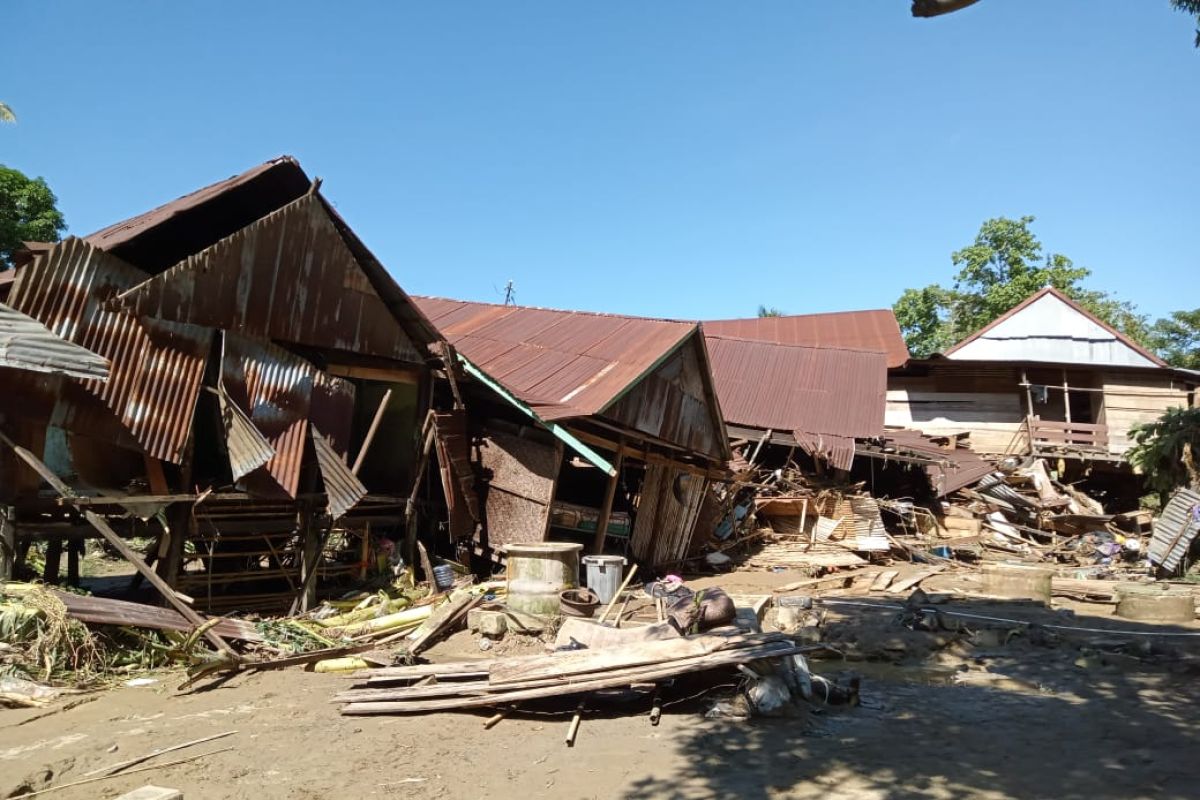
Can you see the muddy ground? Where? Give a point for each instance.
(989, 710)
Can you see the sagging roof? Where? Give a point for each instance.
(876, 329)
(950, 468)
(1050, 327)
(27, 344)
(170, 234)
(566, 364)
(825, 397)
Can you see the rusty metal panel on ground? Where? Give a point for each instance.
(289, 277)
(520, 474)
(155, 367)
(274, 389)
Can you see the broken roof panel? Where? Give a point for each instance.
(27, 344)
(826, 397)
(1175, 530)
(167, 235)
(949, 468)
(1050, 327)
(155, 366)
(289, 277)
(858, 330)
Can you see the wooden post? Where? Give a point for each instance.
(312, 551)
(610, 492)
(54, 550)
(8, 542)
(1066, 401)
(371, 431)
(74, 554)
(1028, 394)
(97, 522)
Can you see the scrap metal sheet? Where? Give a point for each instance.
(156, 367)
(288, 277)
(27, 344)
(274, 389)
(343, 489)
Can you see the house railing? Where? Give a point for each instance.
(1054, 435)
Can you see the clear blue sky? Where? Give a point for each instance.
(687, 159)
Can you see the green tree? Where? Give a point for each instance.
(1003, 266)
(1190, 7)
(764, 311)
(1177, 339)
(6, 113)
(1165, 451)
(28, 213)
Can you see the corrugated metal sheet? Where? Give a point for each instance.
(562, 363)
(26, 343)
(274, 389)
(343, 489)
(288, 277)
(858, 330)
(1050, 327)
(1175, 530)
(826, 397)
(156, 367)
(167, 235)
(247, 448)
(950, 469)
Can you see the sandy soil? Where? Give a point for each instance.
(944, 714)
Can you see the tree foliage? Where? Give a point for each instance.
(1004, 265)
(1176, 339)
(6, 113)
(1166, 450)
(764, 311)
(28, 212)
(1190, 7)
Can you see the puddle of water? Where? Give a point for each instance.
(918, 674)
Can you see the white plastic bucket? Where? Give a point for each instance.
(604, 575)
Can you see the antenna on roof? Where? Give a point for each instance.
(510, 293)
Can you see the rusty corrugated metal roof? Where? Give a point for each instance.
(290, 277)
(245, 446)
(27, 344)
(861, 330)
(274, 389)
(825, 397)
(165, 236)
(155, 367)
(951, 468)
(561, 363)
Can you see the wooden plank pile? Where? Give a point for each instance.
(504, 682)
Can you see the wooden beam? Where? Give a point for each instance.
(371, 431)
(117, 542)
(610, 492)
(379, 374)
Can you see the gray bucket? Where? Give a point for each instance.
(443, 577)
(604, 575)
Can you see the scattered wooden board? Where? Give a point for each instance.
(884, 579)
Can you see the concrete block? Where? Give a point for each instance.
(152, 793)
(489, 623)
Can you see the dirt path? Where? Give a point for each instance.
(1010, 718)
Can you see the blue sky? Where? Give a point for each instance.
(677, 158)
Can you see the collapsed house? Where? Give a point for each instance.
(1045, 379)
(599, 428)
(252, 344)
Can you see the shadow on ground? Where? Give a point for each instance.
(989, 710)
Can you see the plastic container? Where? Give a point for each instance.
(604, 575)
(443, 576)
(578, 603)
(538, 572)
